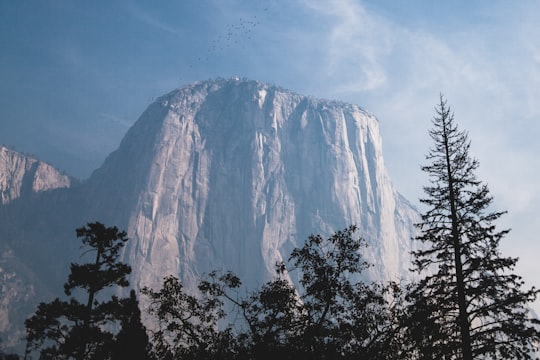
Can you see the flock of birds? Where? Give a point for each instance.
(236, 34)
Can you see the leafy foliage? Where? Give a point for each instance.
(331, 315)
(470, 304)
(83, 330)
(188, 325)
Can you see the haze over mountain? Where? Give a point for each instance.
(21, 178)
(227, 174)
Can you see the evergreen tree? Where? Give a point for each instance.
(132, 340)
(471, 304)
(83, 330)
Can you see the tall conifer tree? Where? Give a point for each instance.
(471, 304)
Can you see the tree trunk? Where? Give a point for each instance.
(456, 243)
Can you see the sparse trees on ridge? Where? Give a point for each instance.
(469, 304)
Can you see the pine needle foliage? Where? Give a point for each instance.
(82, 326)
(469, 303)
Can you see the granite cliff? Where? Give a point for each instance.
(22, 175)
(222, 174)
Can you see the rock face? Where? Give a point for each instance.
(223, 174)
(234, 174)
(17, 296)
(22, 175)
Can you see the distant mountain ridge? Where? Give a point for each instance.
(229, 174)
(23, 174)
(21, 177)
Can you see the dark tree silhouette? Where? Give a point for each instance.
(332, 314)
(342, 316)
(470, 304)
(81, 327)
(132, 340)
(188, 325)
(6, 356)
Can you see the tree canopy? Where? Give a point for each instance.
(332, 314)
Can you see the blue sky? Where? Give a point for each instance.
(75, 75)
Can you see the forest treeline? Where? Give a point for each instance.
(466, 302)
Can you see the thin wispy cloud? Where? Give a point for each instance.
(489, 71)
(355, 44)
(148, 19)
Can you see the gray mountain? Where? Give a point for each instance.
(234, 174)
(22, 175)
(225, 174)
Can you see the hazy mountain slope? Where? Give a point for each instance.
(23, 179)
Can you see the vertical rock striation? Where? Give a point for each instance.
(222, 174)
(234, 174)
